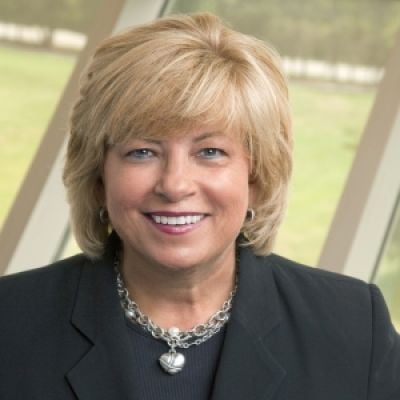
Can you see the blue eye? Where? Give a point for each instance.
(212, 152)
(140, 154)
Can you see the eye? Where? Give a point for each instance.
(140, 154)
(211, 152)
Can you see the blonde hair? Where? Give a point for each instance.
(159, 78)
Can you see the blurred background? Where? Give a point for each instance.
(334, 53)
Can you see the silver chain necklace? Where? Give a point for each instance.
(173, 362)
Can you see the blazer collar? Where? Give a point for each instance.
(247, 369)
(103, 373)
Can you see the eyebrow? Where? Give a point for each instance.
(207, 135)
(197, 139)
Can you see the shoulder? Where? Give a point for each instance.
(338, 317)
(52, 271)
(350, 311)
(306, 279)
(36, 308)
(39, 342)
(318, 295)
(285, 266)
(302, 291)
(40, 285)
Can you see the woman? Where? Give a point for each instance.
(177, 169)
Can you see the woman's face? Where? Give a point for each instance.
(178, 202)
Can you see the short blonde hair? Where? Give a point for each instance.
(160, 78)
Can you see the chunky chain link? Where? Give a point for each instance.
(174, 338)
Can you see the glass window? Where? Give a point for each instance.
(39, 44)
(333, 53)
(71, 248)
(31, 82)
(388, 269)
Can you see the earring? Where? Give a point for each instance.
(103, 216)
(251, 214)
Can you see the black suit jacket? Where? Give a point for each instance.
(295, 333)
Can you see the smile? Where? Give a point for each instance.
(177, 220)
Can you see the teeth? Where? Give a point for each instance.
(181, 220)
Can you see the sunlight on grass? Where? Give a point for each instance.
(328, 122)
(30, 85)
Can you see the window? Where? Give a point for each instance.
(333, 53)
(388, 269)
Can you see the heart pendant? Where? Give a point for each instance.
(172, 362)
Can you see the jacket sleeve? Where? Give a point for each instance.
(384, 375)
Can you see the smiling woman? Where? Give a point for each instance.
(200, 175)
(177, 168)
(207, 77)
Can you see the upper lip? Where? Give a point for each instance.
(174, 213)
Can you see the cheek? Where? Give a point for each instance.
(123, 191)
(232, 190)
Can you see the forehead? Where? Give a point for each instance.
(190, 132)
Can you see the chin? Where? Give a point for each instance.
(177, 264)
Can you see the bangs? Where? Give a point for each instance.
(186, 91)
(192, 82)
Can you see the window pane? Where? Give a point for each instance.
(69, 247)
(333, 53)
(334, 65)
(31, 82)
(39, 44)
(388, 270)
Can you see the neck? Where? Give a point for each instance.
(181, 298)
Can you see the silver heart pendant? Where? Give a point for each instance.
(172, 362)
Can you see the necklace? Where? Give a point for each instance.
(173, 362)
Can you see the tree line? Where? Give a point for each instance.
(351, 31)
(74, 15)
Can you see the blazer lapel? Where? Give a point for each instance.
(247, 369)
(104, 372)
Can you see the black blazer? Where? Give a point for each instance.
(295, 333)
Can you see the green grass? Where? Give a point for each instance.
(328, 122)
(30, 86)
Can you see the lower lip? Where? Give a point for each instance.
(175, 229)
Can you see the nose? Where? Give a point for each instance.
(176, 181)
